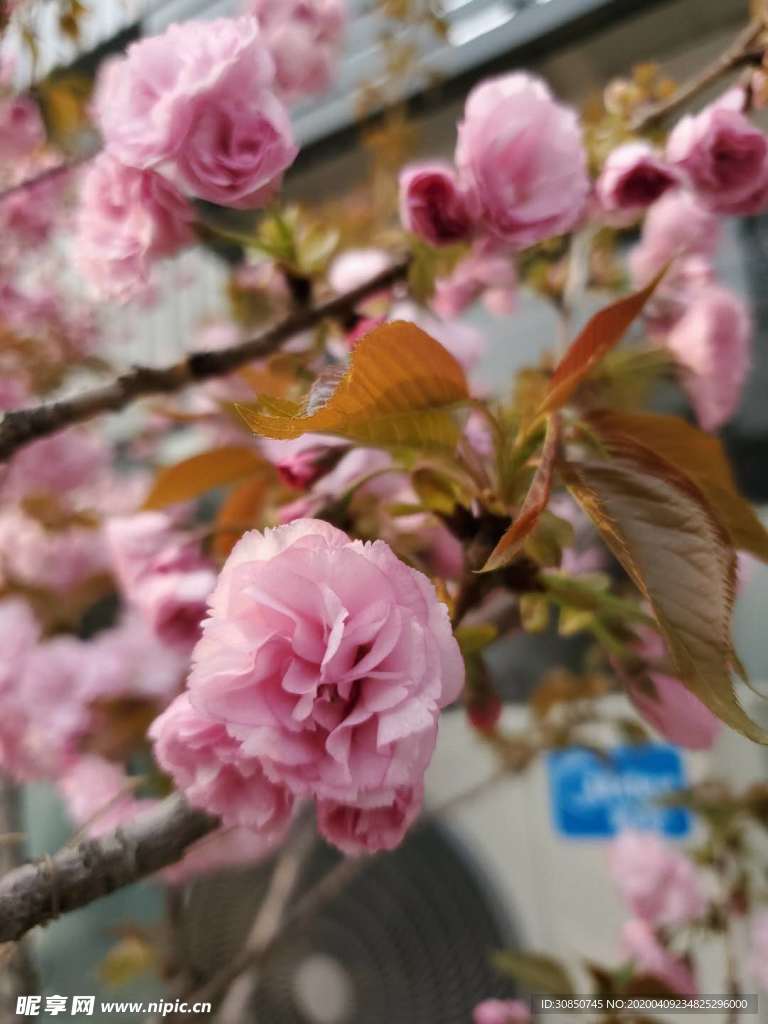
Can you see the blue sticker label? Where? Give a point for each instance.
(597, 797)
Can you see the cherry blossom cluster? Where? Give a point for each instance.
(189, 115)
(320, 674)
(521, 178)
(304, 38)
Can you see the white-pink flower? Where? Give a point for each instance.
(712, 343)
(329, 660)
(127, 219)
(521, 159)
(658, 882)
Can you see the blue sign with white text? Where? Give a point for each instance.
(597, 797)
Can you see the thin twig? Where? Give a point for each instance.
(20, 427)
(731, 59)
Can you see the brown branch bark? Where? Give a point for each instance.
(22, 426)
(77, 875)
(732, 58)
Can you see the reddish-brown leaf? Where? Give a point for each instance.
(602, 333)
(189, 479)
(536, 501)
(661, 528)
(700, 457)
(241, 510)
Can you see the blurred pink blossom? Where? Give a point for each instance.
(162, 573)
(502, 1011)
(21, 127)
(521, 158)
(147, 102)
(649, 956)
(485, 273)
(724, 156)
(634, 177)
(304, 38)
(432, 206)
(659, 883)
(127, 219)
(711, 343)
(237, 149)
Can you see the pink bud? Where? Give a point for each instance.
(432, 206)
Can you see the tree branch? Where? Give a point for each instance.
(77, 875)
(22, 426)
(737, 54)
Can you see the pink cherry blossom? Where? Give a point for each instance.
(56, 465)
(304, 38)
(432, 206)
(237, 149)
(634, 177)
(658, 882)
(725, 158)
(21, 127)
(360, 829)
(676, 226)
(330, 660)
(502, 1011)
(486, 273)
(711, 343)
(53, 716)
(649, 956)
(521, 158)
(99, 795)
(127, 219)
(19, 635)
(356, 266)
(224, 848)
(50, 560)
(209, 766)
(758, 961)
(674, 712)
(130, 660)
(162, 573)
(147, 102)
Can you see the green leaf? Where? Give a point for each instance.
(402, 389)
(602, 333)
(536, 972)
(534, 504)
(700, 457)
(195, 476)
(661, 529)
